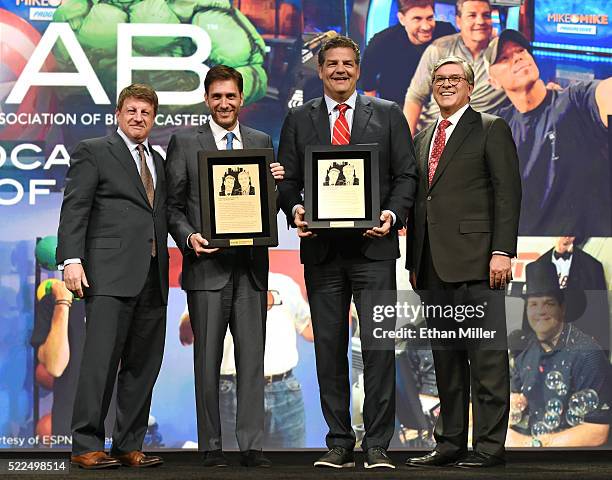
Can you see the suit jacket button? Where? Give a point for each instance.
(428, 197)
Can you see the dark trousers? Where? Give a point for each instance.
(241, 306)
(330, 286)
(126, 333)
(480, 366)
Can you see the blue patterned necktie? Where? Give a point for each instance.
(230, 140)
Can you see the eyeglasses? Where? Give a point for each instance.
(453, 80)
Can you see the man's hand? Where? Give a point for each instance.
(185, 330)
(75, 279)
(199, 244)
(302, 226)
(500, 271)
(278, 171)
(378, 232)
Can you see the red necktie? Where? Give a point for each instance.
(438, 148)
(341, 134)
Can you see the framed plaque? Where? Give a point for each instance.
(238, 198)
(341, 186)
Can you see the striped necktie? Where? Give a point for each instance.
(341, 134)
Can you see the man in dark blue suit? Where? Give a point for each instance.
(348, 263)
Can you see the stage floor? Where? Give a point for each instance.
(553, 465)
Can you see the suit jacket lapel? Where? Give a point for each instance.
(461, 132)
(206, 138)
(320, 121)
(245, 135)
(423, 153)
(361, 117)
(161, 176)
(120, 151)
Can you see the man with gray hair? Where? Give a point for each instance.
(475, 24)
(464, 233)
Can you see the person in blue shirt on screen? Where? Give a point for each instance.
(392, 55)
(562, 141)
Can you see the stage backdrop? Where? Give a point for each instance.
(62, 63)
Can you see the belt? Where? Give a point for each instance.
(268, 379)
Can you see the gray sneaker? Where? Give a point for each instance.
(376, 457)
(337, 457)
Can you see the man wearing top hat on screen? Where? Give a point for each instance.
(560, 382)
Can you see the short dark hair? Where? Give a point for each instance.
(405, 5)
(223, 72)
(460, 3)
(339, 42)
(140, 91)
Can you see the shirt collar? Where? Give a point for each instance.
(561, 343)
(219, 132)
(455, 117)
(468, 54)
(331, 103)
(132, 144)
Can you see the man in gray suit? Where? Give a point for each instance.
(111, 246)
(224, 286)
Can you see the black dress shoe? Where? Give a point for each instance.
(376, 457)
(337, 457)
(215, 458)
(254, 458)
(433, 459)
(479, 460)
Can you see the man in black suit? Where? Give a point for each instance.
(463, 236)
(224, 286)
(582, 279)
(349, 263)
(112, 248)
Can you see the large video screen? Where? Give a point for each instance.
(62, 63)
(574, 25)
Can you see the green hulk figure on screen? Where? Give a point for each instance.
(234, 40)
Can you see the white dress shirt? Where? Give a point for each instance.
(333, 113)
(563, 268)
(219, 134)
(133, 148)
(454, 119)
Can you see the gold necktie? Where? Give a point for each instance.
(147, 181)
